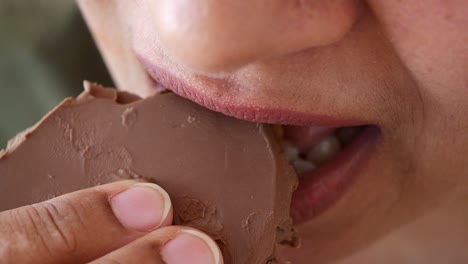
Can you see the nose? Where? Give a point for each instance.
(222, 35)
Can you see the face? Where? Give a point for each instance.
(399, 71)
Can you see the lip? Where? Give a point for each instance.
(251, 113)
(316, 191)
(320, 189)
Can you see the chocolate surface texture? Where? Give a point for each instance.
(225, 176)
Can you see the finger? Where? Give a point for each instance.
(168, 245)
(84, 225)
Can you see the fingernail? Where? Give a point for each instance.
(190, 246)
(142, 207)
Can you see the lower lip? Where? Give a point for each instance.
(320, 189)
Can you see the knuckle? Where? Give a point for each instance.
(62, 223)
(54, 226)
(29, 232)
(42, 231)
(11, 241)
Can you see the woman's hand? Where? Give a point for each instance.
(122, 222)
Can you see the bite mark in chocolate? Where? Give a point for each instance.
(226, 177)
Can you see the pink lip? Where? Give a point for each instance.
(245, 112)
(318, 190)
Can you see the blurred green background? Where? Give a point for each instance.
(46, 52)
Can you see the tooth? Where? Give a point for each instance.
(346, 134)
(292, 152)
(303, 166)
(325, 149)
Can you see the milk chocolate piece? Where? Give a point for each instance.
(225, 176)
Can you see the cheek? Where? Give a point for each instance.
(109, 22)
(430, 38)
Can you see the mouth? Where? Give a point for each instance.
(326, 152)
(327, 162)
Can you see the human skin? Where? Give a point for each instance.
(120, 222)
(402, 66)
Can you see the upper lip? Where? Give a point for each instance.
(250, 113)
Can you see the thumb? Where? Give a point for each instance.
(84, 225)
